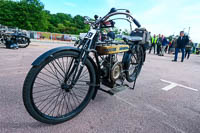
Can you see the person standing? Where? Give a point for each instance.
(182, 41)
(188, 49)
(159, 43)
(103, 35)
(153, 43)
(170, 46)
(111, 34)
(164, 44)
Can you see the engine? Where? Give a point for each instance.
(111, 70)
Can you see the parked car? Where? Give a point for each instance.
(74, 38)
(66, 38)
(119, 36)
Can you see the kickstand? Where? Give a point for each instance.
(135, 81)
(134, 84)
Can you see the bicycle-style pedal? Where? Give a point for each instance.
(114, 90)
(118, 89)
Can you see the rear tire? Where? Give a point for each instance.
(72, 101)
(135, 63)
(24, 42)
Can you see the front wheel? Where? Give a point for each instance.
(49, 98)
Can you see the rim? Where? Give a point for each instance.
(54, 98)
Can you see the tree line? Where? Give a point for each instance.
(31, 15)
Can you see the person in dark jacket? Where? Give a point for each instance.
(182, 41)
(111, 34)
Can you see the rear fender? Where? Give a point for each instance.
(127, 57)
(126, 60)
(144, 53)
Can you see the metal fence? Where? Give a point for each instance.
(41, 35)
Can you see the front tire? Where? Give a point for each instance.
(44, 97)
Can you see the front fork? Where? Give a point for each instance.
(76, 69)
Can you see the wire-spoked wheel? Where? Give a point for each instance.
(46, 95)
(135, 64)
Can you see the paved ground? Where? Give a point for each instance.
(150, 108)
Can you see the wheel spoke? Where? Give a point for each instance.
(47, 81)
(66, 103)
(56, 70)
(63, 104)
(55, 73)
(83, 73)
(47, 98)
(59, 105)
(59, 65)
(41, 86)
(69, 101)
(48, 76)
(45, 90)
(63, 64)
(82, 76)
(55, 105)
(45, 84)
(50, 105)
(73, 98)
(69, 68)
(76, 95)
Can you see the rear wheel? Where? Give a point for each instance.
(135, 63)
(23, 42)
(46, 95)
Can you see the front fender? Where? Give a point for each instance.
(45, 55)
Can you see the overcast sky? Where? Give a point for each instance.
(158, 16)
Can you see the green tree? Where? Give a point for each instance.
(116, 30)
(25, 14)
(30, 15)
(125, 32)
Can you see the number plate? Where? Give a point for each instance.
(91, 34)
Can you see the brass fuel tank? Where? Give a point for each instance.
(113, 49)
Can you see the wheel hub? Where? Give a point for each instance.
(66, 87)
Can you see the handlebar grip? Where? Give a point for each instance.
(136, 23)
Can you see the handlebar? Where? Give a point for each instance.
(112, 12)
(136, 23)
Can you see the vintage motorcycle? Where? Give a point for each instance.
(14, 38)
(63, 80)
